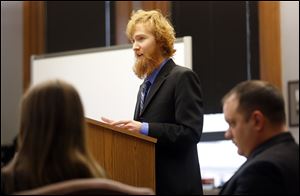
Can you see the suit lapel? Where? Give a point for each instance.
(137, 105)
(161, 77)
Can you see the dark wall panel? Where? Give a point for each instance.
(220, 47)
(74, 25)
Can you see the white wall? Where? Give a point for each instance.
(11, 67)
(289, 19)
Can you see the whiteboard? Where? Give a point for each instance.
(103, 76)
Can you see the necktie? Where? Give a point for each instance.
(144, 90)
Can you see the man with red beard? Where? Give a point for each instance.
(170, 109)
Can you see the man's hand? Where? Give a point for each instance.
(130, 125)
(106, 120)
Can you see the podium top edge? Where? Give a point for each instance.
(121, 130)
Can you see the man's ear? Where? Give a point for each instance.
(258, 120)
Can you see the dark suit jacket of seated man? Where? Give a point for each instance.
(255, 113)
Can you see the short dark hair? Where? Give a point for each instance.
(259, 95)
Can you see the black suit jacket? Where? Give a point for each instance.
(174, 110)
(273, 168)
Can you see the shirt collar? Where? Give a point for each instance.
(153, 75)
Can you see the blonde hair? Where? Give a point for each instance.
(160, 26)
(51, 142)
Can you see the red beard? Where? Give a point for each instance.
(145, 65)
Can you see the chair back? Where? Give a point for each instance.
(93, 186)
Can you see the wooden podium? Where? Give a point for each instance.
(126, 156)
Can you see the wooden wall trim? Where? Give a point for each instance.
(269, 42)
(33, 35)
(163, 6)
(123, 11)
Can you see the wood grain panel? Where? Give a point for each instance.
(269, 41)
(123, 11)
(127, 157)
(33, 35)
(163, 6)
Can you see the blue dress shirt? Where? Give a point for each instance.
(145, 126)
